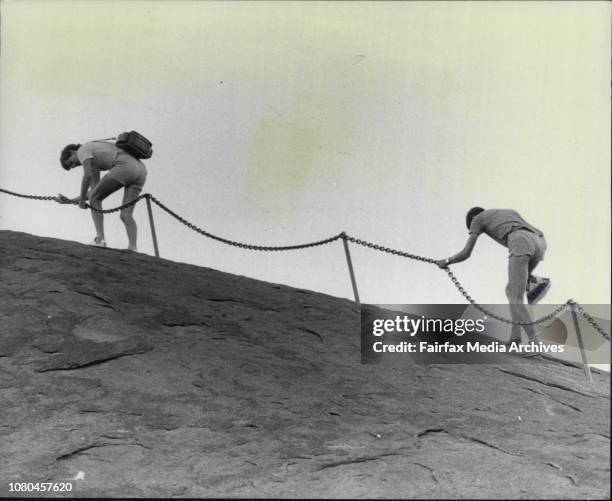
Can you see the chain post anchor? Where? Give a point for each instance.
(587, 369)
(152, 224)
(349, 262)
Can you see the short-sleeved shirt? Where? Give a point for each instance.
(102, 153)
(499, 223)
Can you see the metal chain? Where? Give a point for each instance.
(343, 235)
(124, 206)
(240, 244)
(589, 319)
(388, 250)
(107, 211)
(551, 315)
(31, 197)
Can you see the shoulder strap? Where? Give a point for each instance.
(106, 139)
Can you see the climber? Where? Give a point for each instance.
(526, 245)
(124, 171)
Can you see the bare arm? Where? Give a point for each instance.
(86, 181)
(90, 179)
(462, 255)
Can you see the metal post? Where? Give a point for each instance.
(152, 227)
(350, 267)
(587, 369)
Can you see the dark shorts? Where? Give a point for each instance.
(527, 243)
(128, 170)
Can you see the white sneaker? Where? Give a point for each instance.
(99, 242)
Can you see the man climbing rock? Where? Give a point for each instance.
(124, 171)
(526, 246)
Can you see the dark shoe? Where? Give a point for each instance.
(532, 281)
(536, 290)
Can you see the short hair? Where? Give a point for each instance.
(66, 152)
(472, 213)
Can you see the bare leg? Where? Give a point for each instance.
(518, 272)
(104, 188)
(130, 193)
(533, 262)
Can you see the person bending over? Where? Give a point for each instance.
(124, 171)
(526, 246)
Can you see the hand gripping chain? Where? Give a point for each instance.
(458, 284)
(343, 235)
(40, 197)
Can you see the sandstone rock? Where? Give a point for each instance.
(133, 376)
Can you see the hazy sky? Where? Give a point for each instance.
(279, 123)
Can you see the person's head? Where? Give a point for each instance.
(472, 213)
(68, 157)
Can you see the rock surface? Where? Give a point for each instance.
(145, 377)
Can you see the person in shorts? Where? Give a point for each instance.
(526, 246)
(123, 171)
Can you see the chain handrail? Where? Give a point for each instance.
(124, 206)
(589, 319)
(241, 244)
(31, 197)
(388, 250)
(569, 303)
(50, 198)
(457, 283)
(469, 298)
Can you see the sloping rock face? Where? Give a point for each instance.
(134, 376)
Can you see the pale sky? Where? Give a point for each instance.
(277, 123)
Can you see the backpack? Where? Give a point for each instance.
(133, 143)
